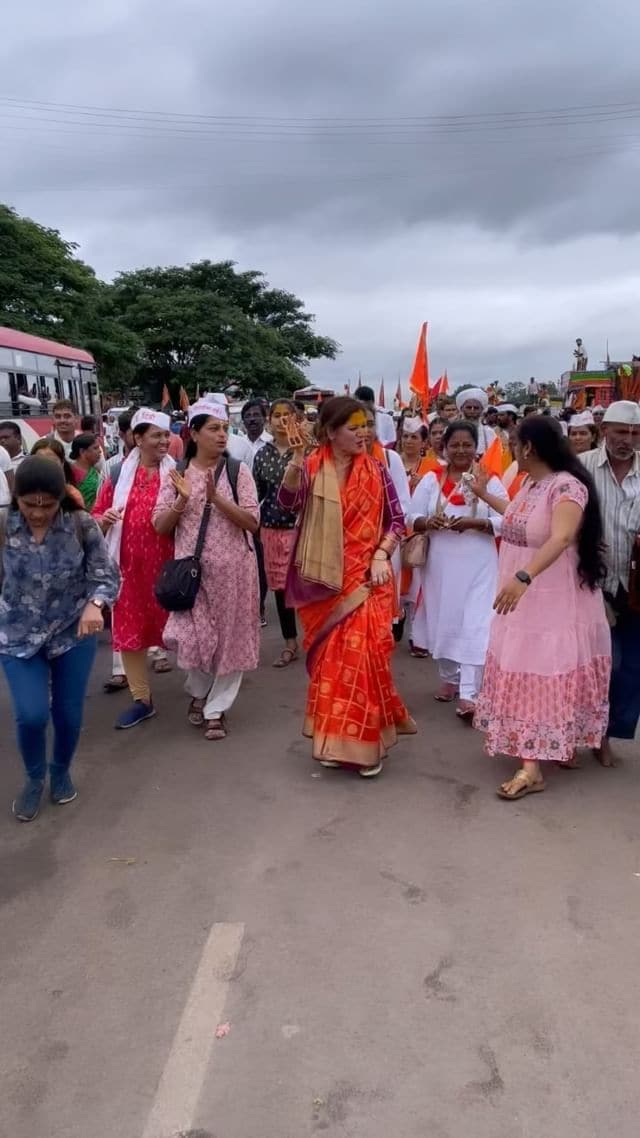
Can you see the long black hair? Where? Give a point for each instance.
(37, 475)
(49, 443)
(80, 443)
(545, 437)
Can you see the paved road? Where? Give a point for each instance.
(407, 957)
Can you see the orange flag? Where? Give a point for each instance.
(166, 405)
(381, 395)
(493, 460)
(439, 388)
(184, 400)
(419, 379)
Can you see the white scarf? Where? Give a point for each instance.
(128, 472)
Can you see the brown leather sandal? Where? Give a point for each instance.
(216, 729)
(195, 714)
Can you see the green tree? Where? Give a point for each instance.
(46, 290)
(203, 324)
(208, 325)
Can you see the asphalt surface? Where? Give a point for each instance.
(417, 957)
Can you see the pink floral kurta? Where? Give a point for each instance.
(546, 679)
(220, 634)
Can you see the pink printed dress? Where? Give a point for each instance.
(221, 633)
(546, 679)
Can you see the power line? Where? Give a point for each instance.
(588, 109)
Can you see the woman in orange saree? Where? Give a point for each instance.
(341, 582)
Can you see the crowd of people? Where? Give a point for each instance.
(504, 544)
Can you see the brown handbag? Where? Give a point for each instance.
(414, 549)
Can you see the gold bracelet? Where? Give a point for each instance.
(176, 509)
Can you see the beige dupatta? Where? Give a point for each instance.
(320, 549)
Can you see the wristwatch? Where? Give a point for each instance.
(99, 604)
(523, 576)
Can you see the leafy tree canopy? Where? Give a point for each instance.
(203, 324)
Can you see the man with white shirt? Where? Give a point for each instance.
(253, 419)
(65, 424)
(615, 469)
(385, 426)
(472, 404)
(11, 441)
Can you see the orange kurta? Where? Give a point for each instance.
(353, 710)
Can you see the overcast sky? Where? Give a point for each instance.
(474, 165)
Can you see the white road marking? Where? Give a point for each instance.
(178, 1092)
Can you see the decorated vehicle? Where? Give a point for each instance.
(584, 389)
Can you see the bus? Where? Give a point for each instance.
(35, 372)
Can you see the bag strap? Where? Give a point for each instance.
(233, 470)
(206, 513)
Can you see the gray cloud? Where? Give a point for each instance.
(373, 160)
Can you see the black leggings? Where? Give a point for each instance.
(262, 576)
(286, 616)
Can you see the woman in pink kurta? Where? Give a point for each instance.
(218, 639)
(546, 679)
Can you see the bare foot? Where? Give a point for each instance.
(573, 764)
(605, 755)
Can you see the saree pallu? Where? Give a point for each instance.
(353, 711)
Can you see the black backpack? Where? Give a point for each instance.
(233, 470)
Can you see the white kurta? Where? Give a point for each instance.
(458, 581)
(401, 483)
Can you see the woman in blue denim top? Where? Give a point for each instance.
(56, 577)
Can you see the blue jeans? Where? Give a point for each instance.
(29, 686)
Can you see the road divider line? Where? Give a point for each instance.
(180, 1085)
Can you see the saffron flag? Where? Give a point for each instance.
(419, 379)
(440, 388)
(165, 404)
(493, 459)
(184, 400)
(381, 395)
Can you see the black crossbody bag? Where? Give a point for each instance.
(177, 586)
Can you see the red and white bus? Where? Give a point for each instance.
(35, 372)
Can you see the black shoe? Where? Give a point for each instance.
(398, 628)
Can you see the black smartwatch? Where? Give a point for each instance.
(523, 576)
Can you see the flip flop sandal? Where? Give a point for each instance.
(446, 694)
(116, 683)
(216, 729)
(419, 653)
(526, 786)
(161, 666)
(195, 714)
(287, 656)
(466, 712)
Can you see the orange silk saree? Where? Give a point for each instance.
(353, 711)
